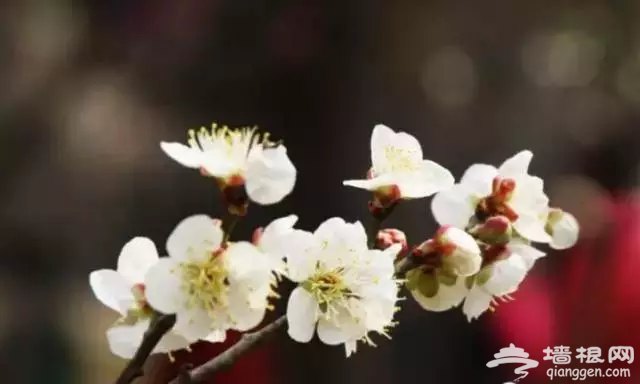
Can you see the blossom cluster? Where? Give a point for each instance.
(347, 282)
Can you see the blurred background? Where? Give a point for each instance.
(90, 88)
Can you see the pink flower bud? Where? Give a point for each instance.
(390, 236)
(460, 252)
(494, 230)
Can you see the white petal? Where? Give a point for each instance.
(247, 266)
(274, 237)
(124, 340)
(302, 255)
(194, 238)
(244, 317)
(329, 230)
(446, 298)
(516, 165)
(302, 314)
(187, 156)
(217, 163)
(478, 179)
(477, 302)
(453, 207)
(409, 144)
(528, 253)
(216, 336)
(163, 286)
(466, 258)
(112, 289)
(331, 334)
(531, 227)
(171, 341)
(565, 232)
(136, 257)
(431, 178)
(381, 138)
(194, 323)
(373, 184)
(270, 176)
(506, 275)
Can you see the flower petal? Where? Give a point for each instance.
(247, 266)
(506, 275)
(112, 289)
(193, 323)
(408, 143)
(477, 302)
(163, 286)
(516, 165)
(302, 255)
(171, 341)
(565, 232)
(302, 314)
(187, 156)
(478, 179)
(431, 178)
(270, 176)
(331, 334)
(217, 336)
(135, 259)
(274, 237)
(531, 227)
(453, 207)
(373, 184)
(124, 340)
(381, 138)
(194, 238)
(528, 253)
(446, 298)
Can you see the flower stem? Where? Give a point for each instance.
(228, 225)
(160, 324)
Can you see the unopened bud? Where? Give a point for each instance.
(390, 236)
(563, 229)
(384, 200)
(460, 252)
(494, 230)
(257, 235)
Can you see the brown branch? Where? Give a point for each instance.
(226, 359)
(160, 324)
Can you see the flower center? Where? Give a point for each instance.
(233, 143)
(329, 290)
(497, 202)
(400, 159)
(205, 283)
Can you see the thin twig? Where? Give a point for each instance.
(226, 359)
(372, 231)
(160, 324)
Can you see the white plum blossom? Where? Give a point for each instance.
(273, 240)
(210, 286)
(399, 168)
(345, 289)
(508, 190)
(563, 228)
(481, 292)
(123, 291)
(461, 253)
(238, 156)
